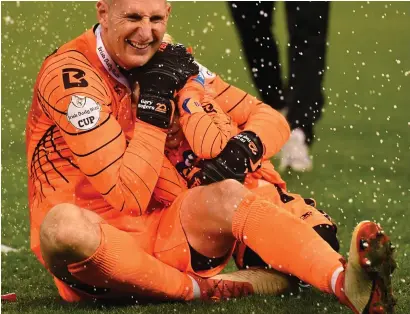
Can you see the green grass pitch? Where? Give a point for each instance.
(361, 156)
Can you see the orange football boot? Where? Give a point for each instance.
(365, 284)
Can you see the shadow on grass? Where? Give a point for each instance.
(308, 301)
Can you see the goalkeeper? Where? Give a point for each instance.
(111, 215)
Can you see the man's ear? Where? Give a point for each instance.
(102, 13)
(168, 11)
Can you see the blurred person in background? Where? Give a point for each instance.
(301, 100)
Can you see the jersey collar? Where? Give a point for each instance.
(106, 59)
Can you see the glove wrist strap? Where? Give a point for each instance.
(155, 110)
(251, 143)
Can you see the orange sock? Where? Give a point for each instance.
(285, 242)
(121, 265)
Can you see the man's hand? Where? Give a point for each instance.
(159, 80)
(242, 154)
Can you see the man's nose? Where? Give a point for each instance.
(144, 30)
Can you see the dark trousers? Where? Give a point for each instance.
(307, 24)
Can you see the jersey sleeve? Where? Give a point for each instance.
(170, 184)
(78, 101)
(206, 127)
(251, 114)
(207, 132)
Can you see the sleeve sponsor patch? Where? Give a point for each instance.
(83, 112)
(191, 106)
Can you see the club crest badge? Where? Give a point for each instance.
(83, 112)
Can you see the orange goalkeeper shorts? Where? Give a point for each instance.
(170, 246)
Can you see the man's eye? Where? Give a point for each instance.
(134, 17)
(156, 19)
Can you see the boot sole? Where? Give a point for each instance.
(374, 254)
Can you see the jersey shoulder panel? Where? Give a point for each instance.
(66, 75)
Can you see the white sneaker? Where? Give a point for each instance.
(295, 153)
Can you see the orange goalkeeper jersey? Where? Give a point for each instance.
(85, 147)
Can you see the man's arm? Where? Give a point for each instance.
(77, 100)
(222, 108)
(252, 115)
(207, 132)
(262, 133)
(206, 127)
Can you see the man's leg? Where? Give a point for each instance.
(302, 208)
(215, 216)
(80, 249)
(254, 21)
(308, 29)
(232, 212)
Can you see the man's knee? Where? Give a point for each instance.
(229, 194)
(215, 205)
(67, 232)
(229, 188)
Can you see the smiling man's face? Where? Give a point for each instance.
(132, 30)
